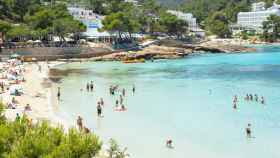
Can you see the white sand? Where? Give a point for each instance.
(43, 106)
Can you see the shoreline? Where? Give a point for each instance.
(39, 93)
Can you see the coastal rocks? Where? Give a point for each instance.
(151, 52)
(220, 48)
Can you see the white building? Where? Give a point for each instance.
(191, 20)
(254, 20)
(260, 6)
(93, 22)
(188, 17)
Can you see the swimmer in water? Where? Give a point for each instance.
(169, 143)
(248, 131)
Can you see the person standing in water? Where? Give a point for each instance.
(117, 103)
(80, 123)
(123, 92)
(99, 110)
(262, 100)
(91, 85)
(87, 87)
(249, 131)
(133, 89)
(234, 106)
(256, 98)
(58, 93)
(101, 102)
(121, 99)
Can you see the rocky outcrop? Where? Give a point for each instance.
(219, 48)
(151, 52)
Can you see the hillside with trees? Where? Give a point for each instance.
(38, 20)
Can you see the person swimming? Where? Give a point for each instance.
(248, 131)
(169, 143)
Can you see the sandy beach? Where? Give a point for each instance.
(39, 93)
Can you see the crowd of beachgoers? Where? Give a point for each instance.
(24, 90)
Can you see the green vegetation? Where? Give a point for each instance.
(148, 17)
(271, 28)
(22, 139)
(35, 19)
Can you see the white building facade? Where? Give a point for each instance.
(254, 20)
(190, 19)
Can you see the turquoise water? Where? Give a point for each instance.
(173, 100)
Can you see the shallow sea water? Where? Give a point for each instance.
(188, 100)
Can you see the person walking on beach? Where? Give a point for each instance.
(99, 110)
(80, 123)
(248, 131)
(58, 93)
